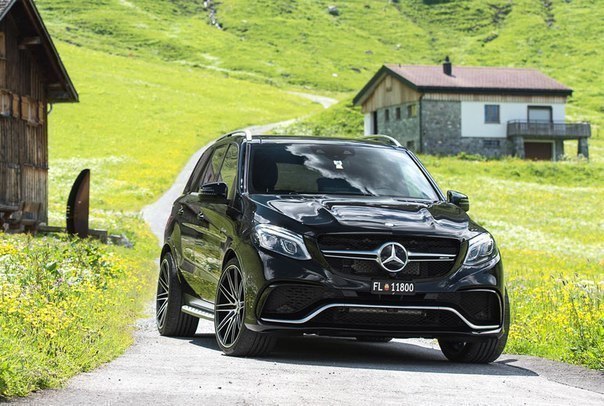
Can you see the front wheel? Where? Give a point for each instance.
(482, 351)
(233, 337)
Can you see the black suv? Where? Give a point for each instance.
(279, 235)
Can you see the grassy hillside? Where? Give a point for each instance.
(157, 82)
(138, 122)
(297, 42)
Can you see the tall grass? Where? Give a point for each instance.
(66, 305)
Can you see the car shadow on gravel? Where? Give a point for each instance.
(394, 356)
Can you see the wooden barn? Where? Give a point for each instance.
(32, 78)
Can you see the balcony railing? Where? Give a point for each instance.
(547, 129)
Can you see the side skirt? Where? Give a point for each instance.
(198, 308)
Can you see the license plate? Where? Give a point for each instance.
(392, 288)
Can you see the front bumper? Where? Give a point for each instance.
(467, 302)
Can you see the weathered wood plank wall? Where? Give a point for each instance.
(23, 128)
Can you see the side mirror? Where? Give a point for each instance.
(213, 191)
(458, 199)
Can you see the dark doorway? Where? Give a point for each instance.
(375, 124)
(542, 151)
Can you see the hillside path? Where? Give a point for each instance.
(156, 214)
(312, 370)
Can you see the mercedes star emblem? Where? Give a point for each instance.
(392, 257)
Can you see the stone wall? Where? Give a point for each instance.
(441, 132)
(405, 129)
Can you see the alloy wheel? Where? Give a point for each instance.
(230, 306)
(163, 291)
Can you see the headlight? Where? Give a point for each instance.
(480, 249)
(281, 241)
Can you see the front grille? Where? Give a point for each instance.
(372, 242)
(369, 268)
(479, 307)
(390, 319)
(293, 300)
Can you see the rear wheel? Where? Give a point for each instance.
(170, 320)
(479, 352)
(233, 337)
(374, 339)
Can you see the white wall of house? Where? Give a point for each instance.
(368, 123)
(472, 117)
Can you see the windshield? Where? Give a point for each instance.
(338, 169)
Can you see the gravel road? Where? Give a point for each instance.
(313, 370)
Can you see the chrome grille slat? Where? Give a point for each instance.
(358, 255)
(373, 255)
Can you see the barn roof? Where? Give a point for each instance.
(31, 28)
(463, 79)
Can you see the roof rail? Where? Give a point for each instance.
(246, 133)
(384, 138)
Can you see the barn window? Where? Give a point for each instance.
(398, 113)
(491, 113)
(387, 115)
(16, 106)
(6, 104)
(412, 110)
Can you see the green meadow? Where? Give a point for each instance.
(157, 82)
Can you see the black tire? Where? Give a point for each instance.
(482, 351)
(232, 336)
(374, 339)
(170, 320)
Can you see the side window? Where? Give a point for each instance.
(193, 180)
(210, 173)
(228, 172)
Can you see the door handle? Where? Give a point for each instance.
(200, 216)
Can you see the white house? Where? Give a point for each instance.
(481, 110)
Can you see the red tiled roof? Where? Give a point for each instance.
(464, 77)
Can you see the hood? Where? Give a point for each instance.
(329, 214)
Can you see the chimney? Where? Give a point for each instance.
(447, 67)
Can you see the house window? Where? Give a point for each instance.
(412, 110)
(398, 113)
(387, 115)
(491, 113)
(540, 114)
(491, 143)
